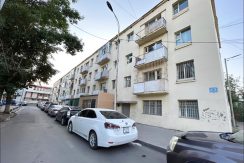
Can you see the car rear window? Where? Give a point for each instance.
(112, 115)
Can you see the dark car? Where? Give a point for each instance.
(207, 147)
(65, 113)
(53, 110)
(43, 105)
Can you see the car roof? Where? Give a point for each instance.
(100, 109)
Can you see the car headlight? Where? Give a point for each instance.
(68, 114)
(173, 142)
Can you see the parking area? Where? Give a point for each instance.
(33, 136)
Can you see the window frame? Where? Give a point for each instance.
(177, 4)
(129, 58)
(179, 39)
(186, 71)
(130, 36)
(127, 81)
(154, 107)
(186, 111)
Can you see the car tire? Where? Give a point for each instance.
(93, 140)
(62, 122)
(70, 128)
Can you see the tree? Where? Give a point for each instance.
(30, 32)
(237, 96)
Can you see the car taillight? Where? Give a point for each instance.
(134, 125)
(110, 126)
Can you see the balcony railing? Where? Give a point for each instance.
(156, 56)
(82, 94)
(152, 31)
(151, 87)
(103, 58)
(102, 76)
(96, 92)
(83, 82)
(84, 70)
(72, 77)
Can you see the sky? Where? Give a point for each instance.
(99, 21)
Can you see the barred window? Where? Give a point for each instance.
(152, 107)
(189, 109)
(185, 70)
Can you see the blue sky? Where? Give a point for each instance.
(100, 21)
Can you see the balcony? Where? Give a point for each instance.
(83, 82)
(72, 77)
(103, 58)
(154, 57)
(96, 92)
(84, 70)
(151, 87)
(102, 76)
(83, 94)
(152, 31)
(67, 96)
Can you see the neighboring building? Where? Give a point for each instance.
(167, 75)
(33, 94)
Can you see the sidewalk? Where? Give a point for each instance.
(155, 137)
(5, 117)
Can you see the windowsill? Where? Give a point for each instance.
(183, 45)
(180, 13)
(179, 81)
(190, 118)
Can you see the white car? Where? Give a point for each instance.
(103, 127)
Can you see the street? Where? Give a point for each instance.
(34, 137)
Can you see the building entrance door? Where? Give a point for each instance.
(126, 109)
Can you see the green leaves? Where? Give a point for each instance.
(30, 32)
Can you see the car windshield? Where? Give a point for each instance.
(75, 108)
(112, 115)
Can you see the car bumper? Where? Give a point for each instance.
(119, 140)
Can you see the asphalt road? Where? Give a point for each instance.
(34, 137)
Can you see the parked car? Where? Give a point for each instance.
(53, 110)
(103, 127)
(47, 106)
(43, 105)
(65, 113)
(207, 147)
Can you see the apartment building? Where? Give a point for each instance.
(33, 94)
(169, 71)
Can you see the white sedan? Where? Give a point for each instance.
(103, 127)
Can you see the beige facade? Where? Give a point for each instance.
(169, 70)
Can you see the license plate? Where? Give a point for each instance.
(126, 130)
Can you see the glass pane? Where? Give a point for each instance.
(183, 5)
(175, 9)
(186, 36)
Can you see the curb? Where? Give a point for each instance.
(12, 114)
(154, 147)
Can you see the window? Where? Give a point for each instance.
(130, 36)
(79, 80)
(103, 86)
(115, 63)
(153, 75)
(94, 87)
(129, 58)
(83, 113)
(91, 114)
(91, 62)
(185, 70)
(128, 81)
(90, 74)
(96, 71)
(153, 46)
(78, 91)
(189, 109)
(152, 107)
(113, 84)
(83, 90)
(74, 92)
(183, 36)
(112, 115)
(88, 89)
(179, 6)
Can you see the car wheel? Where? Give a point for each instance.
(93, 140)
(56, 119)
(62, 122)
(70, 128)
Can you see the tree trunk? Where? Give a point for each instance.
(8, 103)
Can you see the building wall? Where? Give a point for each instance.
(214, 114)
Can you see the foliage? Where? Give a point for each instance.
(30, 32)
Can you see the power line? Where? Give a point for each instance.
(126, 11)
(227, 26)
(132, 8)
(89, 33)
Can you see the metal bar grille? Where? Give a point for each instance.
(189, 109)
